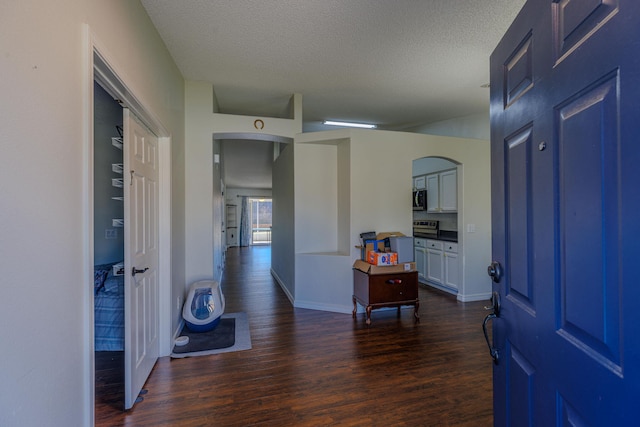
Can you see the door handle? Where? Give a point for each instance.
(492, 350)
(135, 271)
(495, 271)
(495, 306)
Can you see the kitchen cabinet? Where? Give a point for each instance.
(449, 191)
(451, 265)
(433, 193)
(420, 256)
(435, 261)
(442, 191)
(419, 183)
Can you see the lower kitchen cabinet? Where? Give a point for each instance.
(451, 265)
(435, 262)
(420, 255)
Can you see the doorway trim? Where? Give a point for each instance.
(98, 66)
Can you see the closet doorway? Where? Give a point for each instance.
(149, 139)
(125, 251)
(108, 248)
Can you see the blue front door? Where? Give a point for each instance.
(565, 141)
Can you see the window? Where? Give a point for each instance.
(260, 220)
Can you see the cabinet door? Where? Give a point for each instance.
(421, 262)
(419, 183)
(433, 196)
(449, 191)
(435, 265)
(451, 270)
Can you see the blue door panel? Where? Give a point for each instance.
(518, 76)
(589, 288)
(568, 416)
(575, 21)
(521, 383)
(518, 184)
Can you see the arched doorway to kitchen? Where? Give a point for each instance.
(436, 225)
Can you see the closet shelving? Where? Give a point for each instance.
(116, 141)
(118, 182)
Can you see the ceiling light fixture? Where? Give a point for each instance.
(352, 125)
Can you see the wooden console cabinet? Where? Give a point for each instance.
(385, 290)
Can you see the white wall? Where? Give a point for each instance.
(379, 177)
(475, 126)
(283, 230)
(394, 213)
(200, 209)
(44, 252)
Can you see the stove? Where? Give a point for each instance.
(426, 229)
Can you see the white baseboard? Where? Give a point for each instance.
(442, 288)
(284, 288)
(311, 305)
(176, 333)
(474, 297)
(460, 297)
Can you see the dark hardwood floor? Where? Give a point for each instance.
(314, 368)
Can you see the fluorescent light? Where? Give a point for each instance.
(352, 125)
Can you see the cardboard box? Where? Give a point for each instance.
(376, 245)
(384, 269)
(382, 258)
(403, 246)
(387, 234)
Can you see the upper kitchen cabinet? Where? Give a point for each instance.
(442, 191)
(433, 193)
(419, 183)
(449, 191)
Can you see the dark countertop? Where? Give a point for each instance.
(444, 235)
(453, 239)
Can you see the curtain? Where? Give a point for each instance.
(245, 229)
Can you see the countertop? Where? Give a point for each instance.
(444, 235)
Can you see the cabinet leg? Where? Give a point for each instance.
(415, 311)
(355, 307)
(368, 315)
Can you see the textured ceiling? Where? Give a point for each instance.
(396, 63)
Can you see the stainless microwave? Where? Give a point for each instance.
(419, 200)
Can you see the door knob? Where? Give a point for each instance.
(135, 271)
(495, 271)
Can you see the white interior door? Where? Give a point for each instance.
(141, 255)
